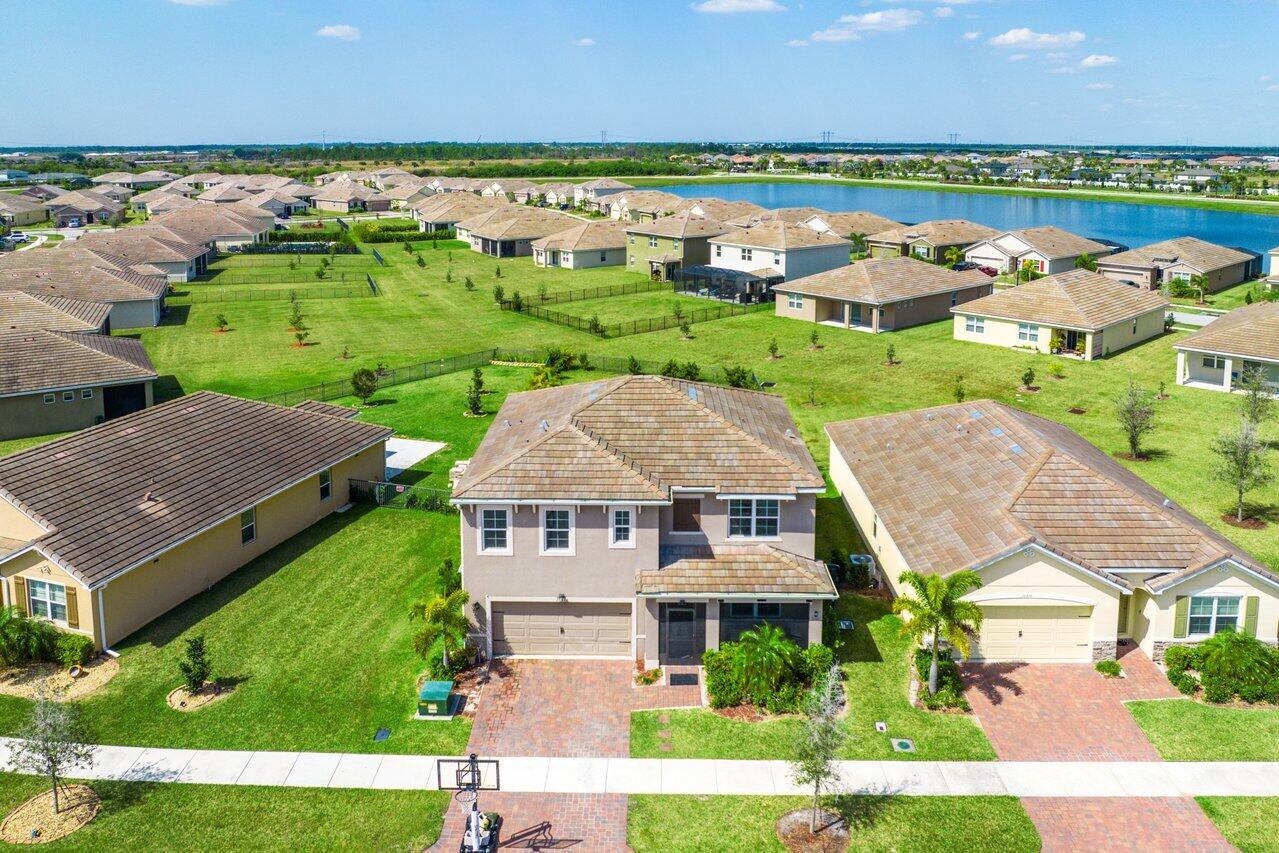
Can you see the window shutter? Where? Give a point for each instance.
(1250, 615)
(20, 595)
(1181, 617)
(73, 611)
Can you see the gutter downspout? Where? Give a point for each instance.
(102, 624)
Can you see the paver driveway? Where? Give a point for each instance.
(1070, 712)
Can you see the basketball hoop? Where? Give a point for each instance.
(467, 796)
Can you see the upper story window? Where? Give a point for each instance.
(777, 259)
(747, 253)
(326, 484)
(557, 530)
(621, 527)
(753, 517)
(47, 600)
(686, 515)
(495, 532)
(719, 251)
(652, 242)
(1213, 614)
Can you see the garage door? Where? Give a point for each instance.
(553, 628)
(1035, 634)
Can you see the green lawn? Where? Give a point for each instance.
(139, 816)
(876, 672)
(1249, 823)
(691, 823)
(634, 306)
(1184, 730)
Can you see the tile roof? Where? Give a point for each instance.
(455, 207)
(647, 201)
(88, 201)
(36, 361)
(1053, 242)
(632, 438)
(1076, 299)
(144, 245)
(846, 223)
(1200, 254)
(348, 191)
(957, 486)
(117, 494)
(80, 273)
(778, 234)
(680, 226)
(729, 569)
(518, 223)
(938, 232)
(1251, 331)
(22, 312)
(718, 208)
(878, 281)
(599, 234)
(15, 203)
(205, 223)
(227, 192)
(793, 215)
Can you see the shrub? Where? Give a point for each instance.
(723, 682)
(1228, 664)
(1108, 668)
(1177, 659)
(784, 698)
(739, 377)
(559, 360)
(950, 687)
(818, 660)
(633, 366)
(1185, 683)
(1217, 689)
(73, 649)
(195, 668)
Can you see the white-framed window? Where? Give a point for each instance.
(1180, 276)
(675, 245)
(1213, 614)
(754, 517)
(921, 251)
(747, 254)
(68, 396)
(557, 530)
(495, 530)
(326, 484)
(795, 301)
(47, 600)
(1028, 333)
(719, 251)
(777, 260)
(630, 238)
(1214, 362)
(652, 242)
(86, 393)
(954, 298)
(976, 325)
(621, 527)
(248, 525)
(630, 260)
(50, 398)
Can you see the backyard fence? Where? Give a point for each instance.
(600, 292)
(386, 377)
(373, 288)
(400, 496)
(613, 364)
(288, 277)
(593, 326)
(297, 247)
(282, 258)
(342, 224)
(249, 294)
(377, 256)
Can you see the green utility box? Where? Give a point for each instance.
(435, 699)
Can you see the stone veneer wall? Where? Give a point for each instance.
(1104, 650)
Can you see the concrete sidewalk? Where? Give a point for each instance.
(686, 776)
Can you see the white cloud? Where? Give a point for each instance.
(345, 32)
(1018, 57)
(797, 43)
(972, 35)
(943, 12)
(1273, 88)
(732, 7)
(1098, 60)
(1026, 38)
(585, 42)
(851, 27)
(198, 2)
(1099, 86)
(1264, 78)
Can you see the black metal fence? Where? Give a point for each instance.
(593, 326)
(342, 224)
(373, 287)
(282, 259)
(600, 292)
(612, 364)
(287, 277)
(250, 294)
(377, 256)
(400, 496)
(386, 378)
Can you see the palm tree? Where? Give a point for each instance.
(443, 622)
(940, 611)
(767, 655)
(954, 255)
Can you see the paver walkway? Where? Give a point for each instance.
(581, 822)
(1139, 825)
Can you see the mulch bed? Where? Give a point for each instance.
(748, 714)
(1075, 410)
(34, 822)
(1246, 524)
(182, 700)
(25, 681)
(832, 834)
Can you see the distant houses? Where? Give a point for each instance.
(928, 240)
(1182, 259)
(349, 197)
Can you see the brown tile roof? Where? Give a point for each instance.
(741, 569)
(718, 208)
(846, 223)
(1077, 299)
(605, 184)
(518, 223)
(957, 486)
(1251, 331)
(878, 281)
(455, 207)
(227, 192)
(35, 361)
(330, 409)
(632, 438)
(794, 215)
(1200, 254)
(1053, 242)
(347, 191)
(778, 234)
(87, 201)
(205, 223)
(937, 232)
(143, 245)
(680, 226)
(80, 273)
(647, 201)
(14, 203)
(598, 234)
(23, 312)
(201, 460)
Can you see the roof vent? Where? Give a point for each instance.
(1167, 501)
(692, 393)
(790, 433)
(960, 428)
(506, 423)
(543, 426)
(928, 416)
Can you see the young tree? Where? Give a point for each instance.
(363, 385)
(1025, 271)
(1199, 283)
(633, 366)
(890, 355)
(685, 330)
(408, 247)
(1243, 462)
(444, 623)
(421, 261)
(1258, 400)
(468, 284)
(543, 290)
(1136, 417)
(961, 393)
(196, 667)
(295, 316)
(221, 322)
(677, 310)
(1086, 262)
(940, 611)
(1028, 377)
(772, 348)
(497, 271)
(51, 742)
(859, 242)
(474, 400)
(319, 273)
(954, 255)
(300, 337)
(819, 743)
(448, 276)
(814, 340)
(499, 295)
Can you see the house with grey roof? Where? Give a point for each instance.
(134, 291)
(639, 518)
(78, 208)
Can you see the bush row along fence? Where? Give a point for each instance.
(298, 247)
(612, 364)
(288, 277)
(596, 292)
(635, 327)
(249, 294)
(401, 496)
(386, 378)
(278, 260)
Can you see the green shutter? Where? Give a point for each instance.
(1181, 617)
(20, 594)
(1250, 615)
(73, 612)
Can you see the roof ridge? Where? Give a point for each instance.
(617, 455)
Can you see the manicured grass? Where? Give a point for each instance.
(876, 670)
(691, 823)
(634, 306)
(1249, 823)
(139, 816)
(13, 445)
(1184, 730)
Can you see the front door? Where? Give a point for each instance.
(1072, 340)
(683, 633)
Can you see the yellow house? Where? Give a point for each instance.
(1077, 555)
(105, 530)
(1078, 313)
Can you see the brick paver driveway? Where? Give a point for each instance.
(1069, 712)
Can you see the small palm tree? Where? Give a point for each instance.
(444, 623)
(954, 255)
(940, 611)
(767, 656)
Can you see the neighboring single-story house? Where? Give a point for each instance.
(1181, 259)
(1217, 355)
(107, 529)
(847, 223)
(113, 192)
(225, 193)
(1077, 313)
(154, 247)
(1076, 553)
(404, 194)
(590, 244)
(78, 208)
(135, 292)
(880, 294)
(128, 180)
(641, 205)
(218, 226)
(62, 381)
(927, 240)
(662, 246)
(42, 192)
(776, 247)
(1047, 249)
(15, 210)
(168, 202)
(29, 312)
(639, 518)
(347, 196)
(592, 193)
(443, 211)
(509, 232)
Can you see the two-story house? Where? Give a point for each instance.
(669, 243)
(640, 518)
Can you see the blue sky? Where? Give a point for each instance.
(1069, 71)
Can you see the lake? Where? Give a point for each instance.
(1130, 224)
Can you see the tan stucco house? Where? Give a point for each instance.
(1048, 250)
(1181, 259)
(1076, 553)
(639, 518)
(135, 292)
(927, 240)
(1216, 356)
(1079, 313)
(509, 231)
(590, 244)
(17, 210)
(105, 530)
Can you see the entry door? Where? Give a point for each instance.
(683, 633)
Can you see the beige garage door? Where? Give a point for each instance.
(553, 628)
(1035, 634)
